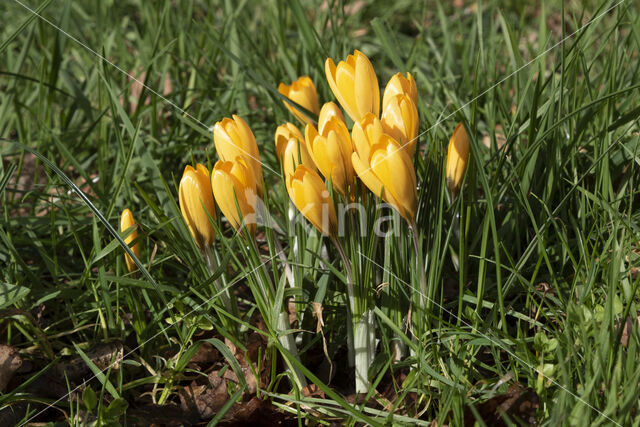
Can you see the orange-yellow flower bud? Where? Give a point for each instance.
(302, 92)
(457, 158)
(328, 112)
(233, 138)
(400, 121)
(331, 148)
(355, 85)
(399, 85)
(291, 149)
(311, 197)
(126, 222)
(196, 204)
(233, 181)
(384, 166)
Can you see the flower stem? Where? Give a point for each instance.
(351, 306)
(360, 328)
(364, 338)
(288, 342)
(419, 264)
(212, 266)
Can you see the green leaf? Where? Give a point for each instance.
(116, 409)
(11, 294)
(89, 398)
(98, 373)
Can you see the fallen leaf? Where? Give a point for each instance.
(103, 355)
(10, 362)
(518, 403)
(201, 402)
(626, 331)
(206, 355)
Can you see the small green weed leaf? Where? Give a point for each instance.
(89, 398)
(11, 294)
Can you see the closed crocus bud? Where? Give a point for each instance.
(457, 158)
(196, 204)
(400, 121)
(233, 181)
(291, 149)
(384, 166)
(399, 85)
(233, 138)
(311, 197)
(355, 85)
(126, 222)
(302, 92)
(328, 112)
(331, 148)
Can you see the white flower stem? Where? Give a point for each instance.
(225, 297)
(419, 264)
(288, 342)
(360, 328)
(364, 348)
(351, 307)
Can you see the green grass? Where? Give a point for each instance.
(549, 218)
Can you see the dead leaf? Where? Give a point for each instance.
(159, 415)
(10, 362)
(628, 327)
(101, 355)
(257, 412)
(200, 401)
(519, 403)
(206, 355)
(312, 390)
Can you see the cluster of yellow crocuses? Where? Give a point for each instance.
(234, 183)
(379, 150)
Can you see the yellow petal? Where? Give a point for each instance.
(196, 204)
(311, 197)
(332, 153)
(393, 167)
(457, 158)
(234, 182)
(302, 92)
(345, 80)
(127, 221)
(366, 175)
(400, 121)
(328, 112)
(331, 73)
(400, 85)
(233, 138)
(365, 134)
(367, 92)
(291, 148)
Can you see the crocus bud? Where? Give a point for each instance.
(355, 85)
(384, 166)
(457, 158)
(302, 92)
(311, 197)
(291, 149)
(400, 121)
(232, 182)
(399, 85)
(331, 148)
(328, 112)
(126, 222)
(196, 204)
(233, 138)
